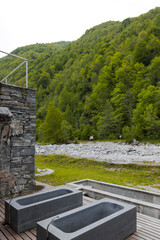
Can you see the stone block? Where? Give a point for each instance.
(27, 210)
(104, 219)
(21, 181)
(17, 138)
(4, 111)
(15, 164)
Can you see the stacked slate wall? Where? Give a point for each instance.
(17, 140)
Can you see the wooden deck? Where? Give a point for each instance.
(148, 228)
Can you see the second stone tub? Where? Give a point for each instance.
(22, 213)
(101, 220)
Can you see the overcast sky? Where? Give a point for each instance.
(24, 22)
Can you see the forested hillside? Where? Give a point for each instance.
(107, 83)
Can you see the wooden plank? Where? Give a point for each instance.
(2, 210)
(30, 235)
(2, 237)
(33, 231)
(13, 233)
(24, 236)
(148, 228)
(6, 233)
(153, 234)
(2, 219)
(134, 237)
(142, 236)
(151, 219)
(2, 205)
(149, 225)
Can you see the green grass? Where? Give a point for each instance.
(68, 169)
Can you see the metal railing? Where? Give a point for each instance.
(25, 61)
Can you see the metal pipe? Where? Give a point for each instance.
(25, 61)
(13, 71)
(13, 55)
(26, 73)
(56, 217)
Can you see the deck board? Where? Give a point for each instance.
(148, 228)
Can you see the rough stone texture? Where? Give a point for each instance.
(119, 153)
(17, 140)
(4, 112)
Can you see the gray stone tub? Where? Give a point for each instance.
(22, 213)
(102, 220)
(147, 202)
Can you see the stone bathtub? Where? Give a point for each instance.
(22, 213)
(101, 220)
(147, 202)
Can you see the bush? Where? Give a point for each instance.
(86, 132)
(66, 130)
(128, 134)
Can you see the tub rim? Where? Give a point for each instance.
(18, 206)
(78, 185)
(67, 236)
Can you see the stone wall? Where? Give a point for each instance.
(17, 140)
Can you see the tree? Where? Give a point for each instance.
(43, 80)
(142, 54)
(66, 130)
(108, 124)
(152, 122)
(117, 101)
(64, 99)
(51, 128)
(146, 115)
(154, 71)
(86, 132)
(128, 134)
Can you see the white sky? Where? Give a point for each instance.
(42, 21)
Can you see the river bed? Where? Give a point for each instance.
(106, 151)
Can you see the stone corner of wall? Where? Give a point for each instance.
(17, 140)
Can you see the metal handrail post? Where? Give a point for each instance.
(26, 73)
(13, 71)
(13, 55)
(25, 61)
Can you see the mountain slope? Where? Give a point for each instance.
(106, 83)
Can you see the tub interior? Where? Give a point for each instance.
(84, 182)
(85, 217)
(120, 190)
(42, 197)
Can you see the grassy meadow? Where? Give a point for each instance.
(68, 169)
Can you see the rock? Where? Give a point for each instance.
(43, 172)
(106, 151)
(135, 142)
(5, 112)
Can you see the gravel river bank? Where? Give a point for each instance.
(106, 151)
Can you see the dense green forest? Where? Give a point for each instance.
(107, 83)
